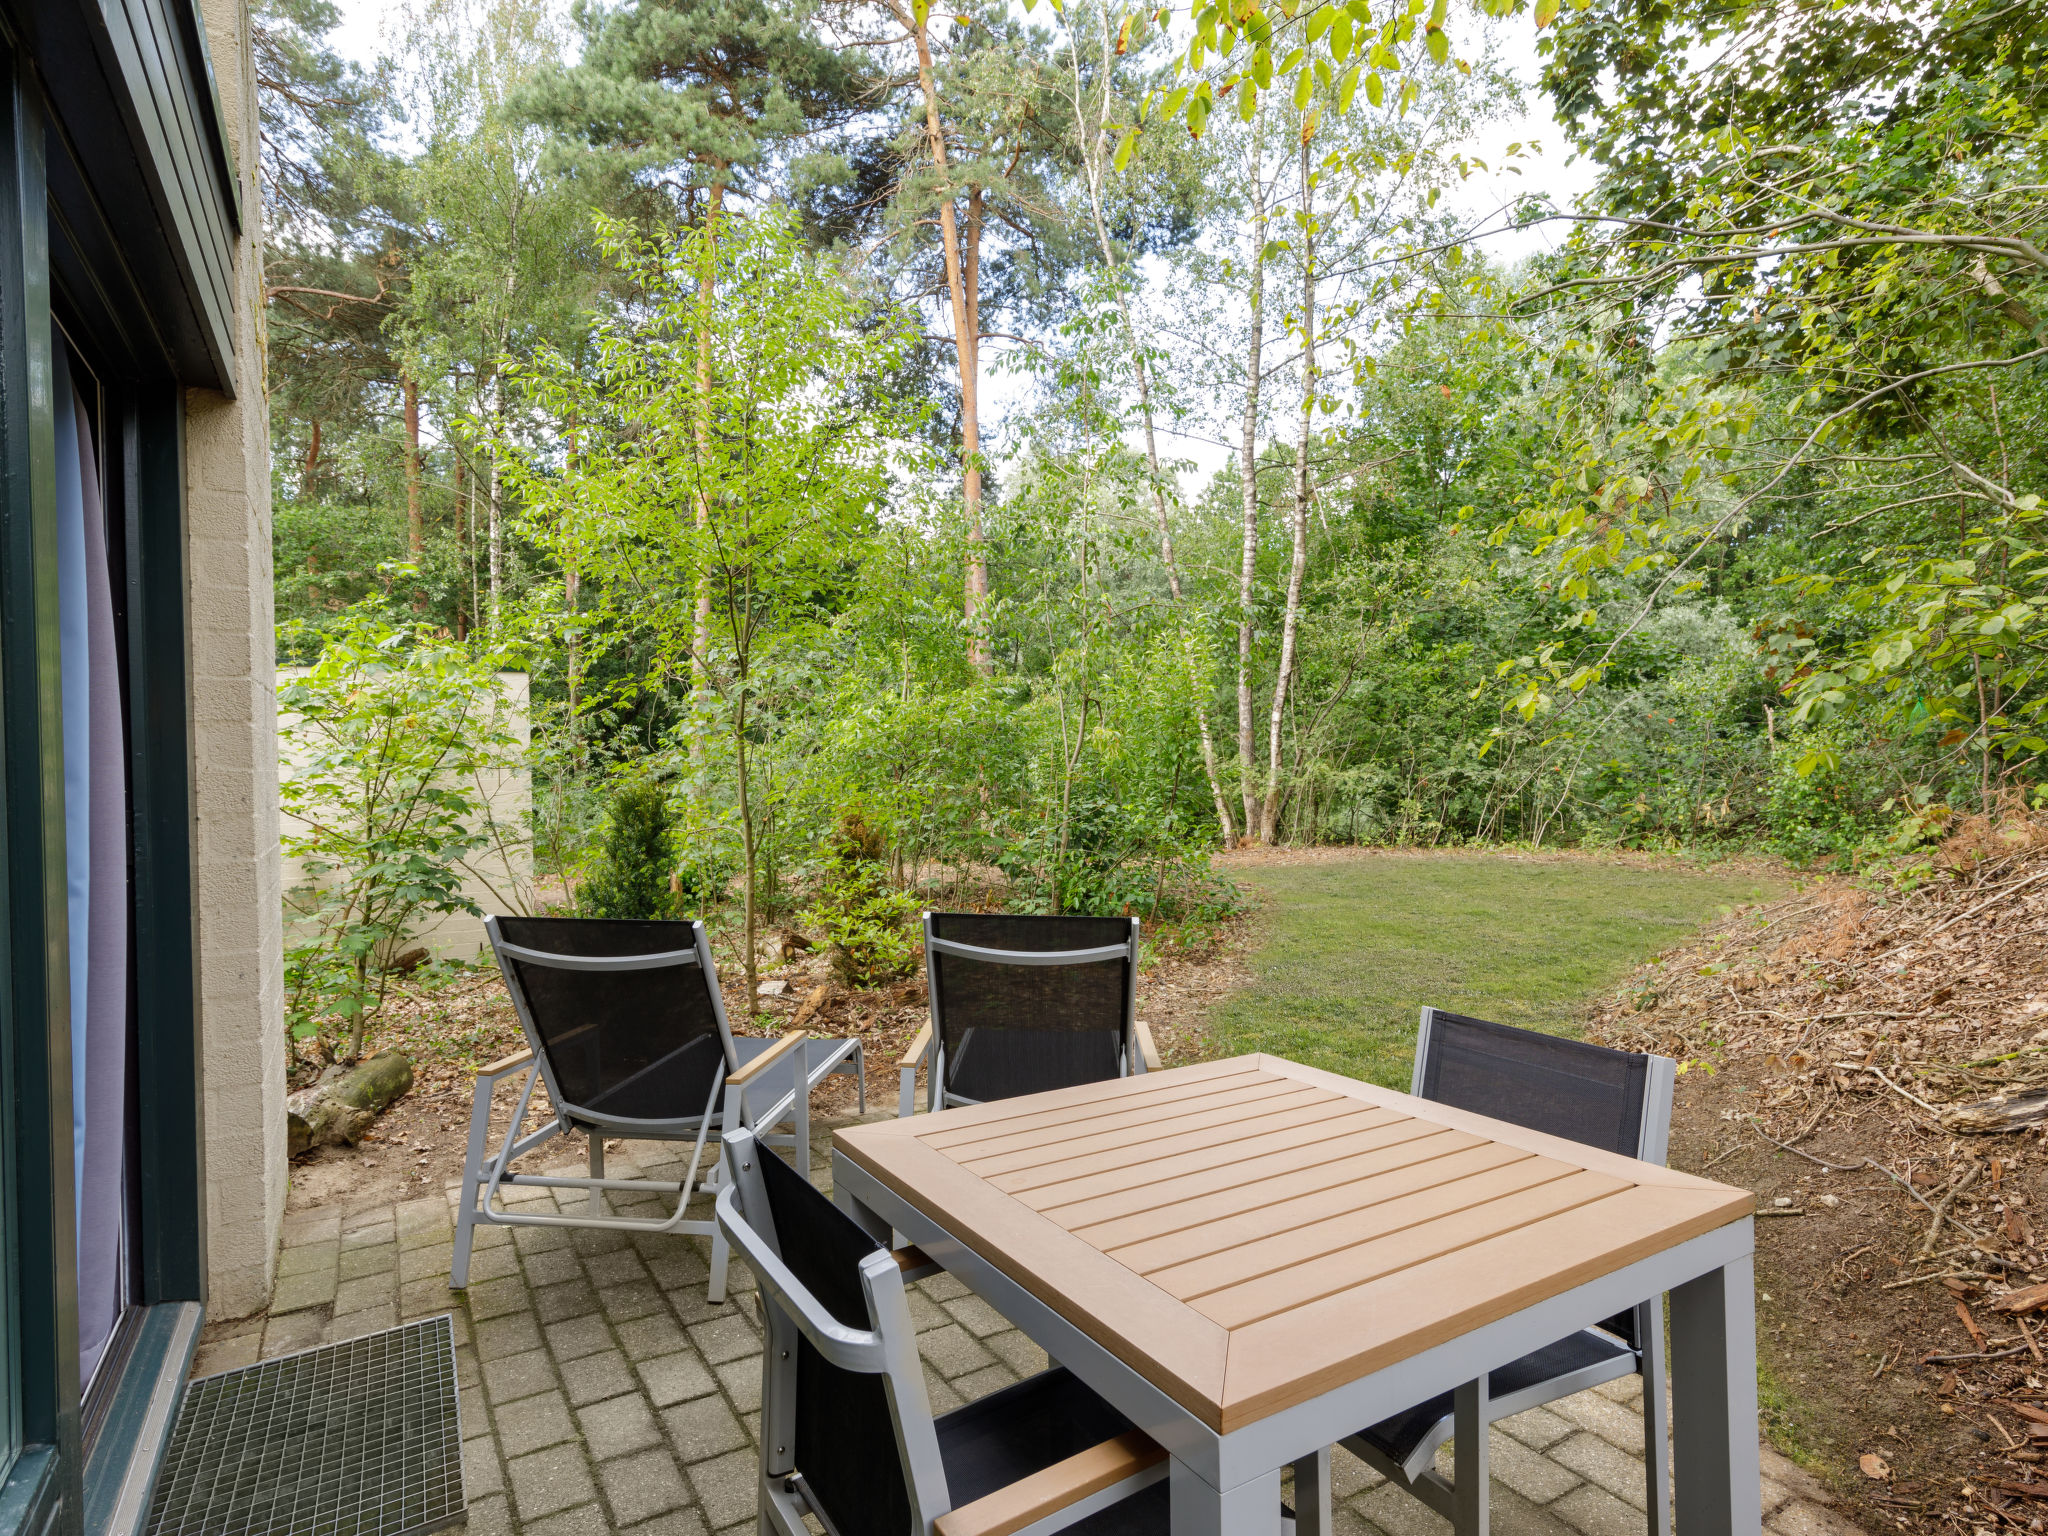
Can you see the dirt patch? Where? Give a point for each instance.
(1829, 1040)
(451, 1030)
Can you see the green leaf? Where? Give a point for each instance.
(1126, 149)
(1439, 44)
(1375, 89)
(1304, 87)
(1546, 12)
(1346, 88)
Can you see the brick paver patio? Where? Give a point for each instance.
(601, 1392)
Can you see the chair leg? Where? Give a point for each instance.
(596, 1171)
(800, 1116)
(1470, 1494)
(1656, 1417)
(721, 1253)
(906, 1092)
(472, 1177)
(1312, 1513)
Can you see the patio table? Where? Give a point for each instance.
(1251, 1258)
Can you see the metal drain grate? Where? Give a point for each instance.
(355, 1439)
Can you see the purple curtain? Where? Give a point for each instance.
(99, 1008)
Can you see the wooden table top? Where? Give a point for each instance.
(1248, 1234)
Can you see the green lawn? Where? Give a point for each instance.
(1349, 952)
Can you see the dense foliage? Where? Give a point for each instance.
(794, 389)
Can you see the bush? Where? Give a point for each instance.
(630, 874)
(864, 922)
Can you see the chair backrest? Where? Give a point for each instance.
(1619, 1101)
(1026, 1004)
(848, 1414)
(626, 1017)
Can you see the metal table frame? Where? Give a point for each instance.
(1229, 1484)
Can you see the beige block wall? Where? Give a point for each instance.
(498, 877)
(238, 873)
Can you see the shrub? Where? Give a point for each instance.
(629, 876)
(863, 920)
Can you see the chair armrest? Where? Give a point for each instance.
(920, 1047)
(753, 1069)
(506, 1064)
(1031, 1499)
(1147, 1051)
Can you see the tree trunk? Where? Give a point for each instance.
(970, 434)
(312, 467)
(415, 518)
(965, 339)
(1248, 768)
(496, 531)
(700, 679)
(1141, 370)
(1302, 490)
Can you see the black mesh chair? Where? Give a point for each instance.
(1615, 1100)
(1023, 1005)
(847, 1433)
(626, 1024)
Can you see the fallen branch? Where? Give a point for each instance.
(2001, 1112)
(1786, 1146)
(1941, 1212)
(1996, 1354)
(1989, 901)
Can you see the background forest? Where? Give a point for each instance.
(796, 392)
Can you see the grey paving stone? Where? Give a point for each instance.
(726, 1339)
(622, 1267)
(532, 1240)
(675, 1378)
(502, 1336)
(727, 1488)
(596, 1377)
(1401, 1514)
(368, 1320)
(553, 1267)
(1349, 1476)
(1513, 1515)
(703, 1428)
(646, 1337)
(308, 1258)
(584, 1520)
(636, 1298)
(550, 1480)
(943, 1286)
(952, 1351)
(1801, 1518)
(1018, 1352)
(1612, 1422)
(1537, 1478)
(227, 1354)
(489, 1517)
(517, 1376)
(370, 1291)
(978, 1384)
(679, 1522)
(489, 1263)
(619, 1426)
(1593, 1511)
(313, 1288)
(742, 1382)
(591, 1241)
(427, 1263)
(926, 1313)
(940, 1393)
(575, 1337)
(481, 1473)
(1598, 1462)
(359, 1262)
(533, 1423)
(642, 1486)
(1537, 1428)
(977, 1316)
(498, 1298)
(560, 1303)
(304, 1227)
(294, 1331)
(1623, 1389)
(678, 1272)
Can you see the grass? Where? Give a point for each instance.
(1353, 949)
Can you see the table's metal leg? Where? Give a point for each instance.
(1474, 1471)
(801, 1124)
(596, 1171)
(1716, 1477)
(1312, 1515)
(1200, 1509)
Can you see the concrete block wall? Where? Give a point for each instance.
(238, 872)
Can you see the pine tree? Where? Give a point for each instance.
(630, 877)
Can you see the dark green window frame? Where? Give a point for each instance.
(61, 255)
